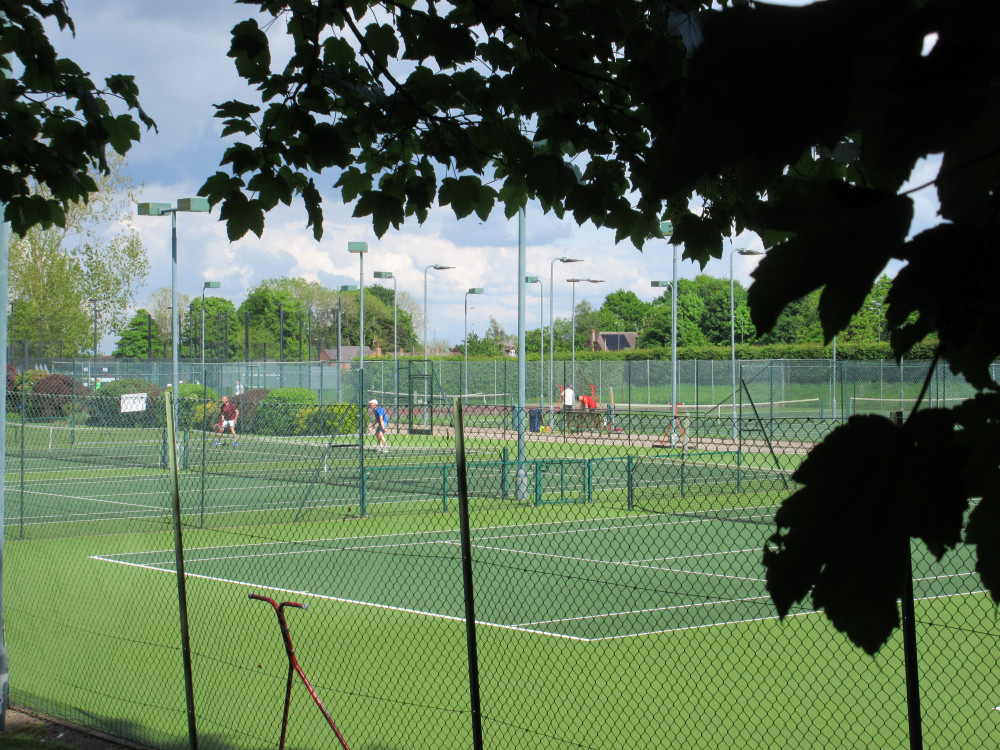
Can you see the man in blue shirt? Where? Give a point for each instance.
(381, 423)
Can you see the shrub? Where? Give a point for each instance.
(105, 405)
(13, 389)
(276, 415)
(332, 419)
(53, 397)
(249, 403)
(31, 377)
(189, 398)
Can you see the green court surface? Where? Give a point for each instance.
(656, 618)
(618, 595)
(710, 581)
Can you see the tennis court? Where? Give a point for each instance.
(618, 589)
(572, 580)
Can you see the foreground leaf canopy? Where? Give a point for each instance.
(56, 125)
(800, 124)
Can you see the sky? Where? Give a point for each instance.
(177, 53)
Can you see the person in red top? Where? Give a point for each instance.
(587, 402)
(229, 416)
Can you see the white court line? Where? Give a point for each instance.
(95, 500)
(621, 563)
(522, 627)
(651, 610)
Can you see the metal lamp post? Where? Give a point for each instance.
(395, 343)
(93, 366)
(436, 267)
(193, 205)
(204, 380)
(572, 333)
(541, 338)
(472, 290)
(552, 320)
(344, 288)
(666, 230)
(360, 248)
(732, 325)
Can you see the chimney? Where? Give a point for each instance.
(378, 350)
(593, 338)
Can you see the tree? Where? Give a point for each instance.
(133, 343)
(56, 126)
(868, 325)
(798, 323)
(580, 104)
(220, 342)
(627, 308)
(45, 301)
(61, 266)
(266, 306)
(406, 337)
(714, 293)
(158, 305)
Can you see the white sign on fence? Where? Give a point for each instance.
(133, 402)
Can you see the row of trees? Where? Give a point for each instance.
(307, 314)
(288, 319)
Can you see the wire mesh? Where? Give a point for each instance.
(618, 590)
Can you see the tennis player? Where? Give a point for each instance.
(381, 422)
(228, 419)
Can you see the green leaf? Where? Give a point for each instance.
(844, 535)
(385, 209)
(844, 251)
(241, 215)
(249, 50)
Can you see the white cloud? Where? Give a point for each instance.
(177, 52)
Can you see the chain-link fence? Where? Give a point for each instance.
(795, 388)
(597, 583)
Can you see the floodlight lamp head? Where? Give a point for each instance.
(659, 283)
(357, 247)
(531, 280)
(436, 267)
(748, 251)
(211, 285)
(383, 274)
(153, 209)
(349, 288)
(475, 290)
(666, 228)
(596, 281)
(564, 259)
(196, 205)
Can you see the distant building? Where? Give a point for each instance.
(612, 341)
(347, 354)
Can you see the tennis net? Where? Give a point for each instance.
(713, 485)
(52, 447)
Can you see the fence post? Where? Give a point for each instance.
(181, 582)
(910, 641)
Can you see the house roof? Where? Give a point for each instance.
(615, 341)
(347, 353)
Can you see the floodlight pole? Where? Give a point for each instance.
(541, 339)
(436, 267)
(395, 344)
(360, 248)
(552, 321)
(572, 333)
(472, 290)
(732, 326)
(195, 205)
